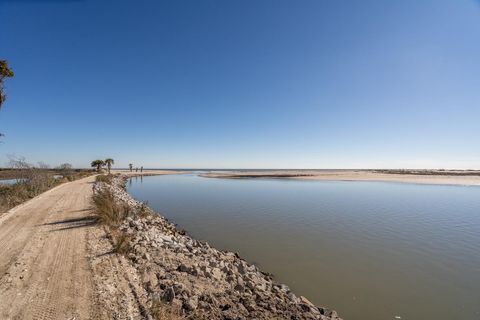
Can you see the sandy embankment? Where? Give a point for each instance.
(420, 177)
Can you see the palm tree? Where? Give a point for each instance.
(109, 163)
(97, 164)
(5, 72)
(130, 166)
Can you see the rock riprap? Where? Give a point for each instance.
(198, 281)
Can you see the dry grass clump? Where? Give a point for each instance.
(143, 211)
(13, 195)
(121, 242)
(104, 178)
(110, 212)
(163, 311)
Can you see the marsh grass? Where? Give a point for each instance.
(104, 178)
(33, 182)
(13, 195)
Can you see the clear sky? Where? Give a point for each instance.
(243, 84)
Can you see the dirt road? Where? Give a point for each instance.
(44, 268)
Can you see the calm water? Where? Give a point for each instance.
(8, 182)
(370, 250)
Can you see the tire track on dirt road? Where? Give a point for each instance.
(44, 268)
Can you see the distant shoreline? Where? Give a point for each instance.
(146, 172)
(437, 177)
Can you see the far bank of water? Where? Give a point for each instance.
(369, 250)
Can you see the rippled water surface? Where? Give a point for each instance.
(370, 250)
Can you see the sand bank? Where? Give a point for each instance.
(470, 178)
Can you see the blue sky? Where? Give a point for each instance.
(243, 84)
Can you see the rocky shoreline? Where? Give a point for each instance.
(181, 277)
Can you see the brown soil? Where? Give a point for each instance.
(44, 268)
